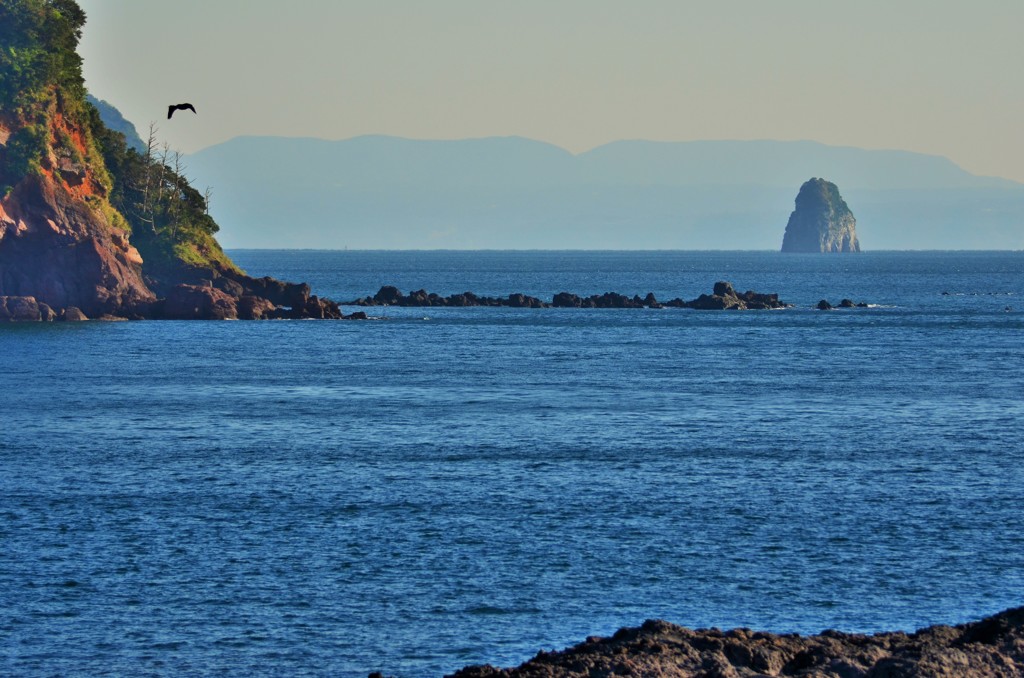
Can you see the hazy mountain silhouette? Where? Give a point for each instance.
(510, 192)
(113, 119)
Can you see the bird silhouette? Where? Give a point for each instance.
(179, 107)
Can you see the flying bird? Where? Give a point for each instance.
(179, 107)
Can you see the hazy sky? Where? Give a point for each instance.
(941, 77)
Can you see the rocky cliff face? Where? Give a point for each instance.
(821, 222)
(58, 245)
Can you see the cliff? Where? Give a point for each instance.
(821, 222)
(55, 248)
(90, 227)
(991, 647)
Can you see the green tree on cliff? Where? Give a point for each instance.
(38, 40)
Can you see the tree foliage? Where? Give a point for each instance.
(38, 42)
(39, 72)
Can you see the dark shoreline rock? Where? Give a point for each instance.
(991, 647)
(723, 297)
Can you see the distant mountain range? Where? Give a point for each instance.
(514, 193)
(113, 119)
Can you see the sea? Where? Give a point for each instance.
(438, 487)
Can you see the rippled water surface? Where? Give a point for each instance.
(442, 487)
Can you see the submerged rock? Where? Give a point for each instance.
(825, 305)
(821, 222)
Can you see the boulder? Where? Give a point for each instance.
(20, 309)
(251, 307)
(193, 302)
(723, 289)
(278, 292)
(715, 302)
(725, 297)
(464, 299)
(229, 286)
(73, 314)
(317, 308)
(46, 314)
(761, 301)
(518, 301)
(417, 298)
(566, 300)
(388, 295)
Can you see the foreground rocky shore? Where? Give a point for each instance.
(992, 647)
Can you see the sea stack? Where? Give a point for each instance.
(821, 221)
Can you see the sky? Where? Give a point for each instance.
(939, 77)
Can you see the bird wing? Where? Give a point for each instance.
(179, 107)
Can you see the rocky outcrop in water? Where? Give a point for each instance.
(723, 297)
(992, 647)
(821, 222)
(825, 305)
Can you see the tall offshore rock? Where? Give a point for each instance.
(821, 221)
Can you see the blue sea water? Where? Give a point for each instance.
(440, 487)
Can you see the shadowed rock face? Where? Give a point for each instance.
(821, 221)
(991, 647)
(55, 248)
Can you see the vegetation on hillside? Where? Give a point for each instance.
(43, 95)
(170, 221)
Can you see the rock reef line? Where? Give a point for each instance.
(723, 297)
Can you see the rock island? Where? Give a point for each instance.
(821, 222)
